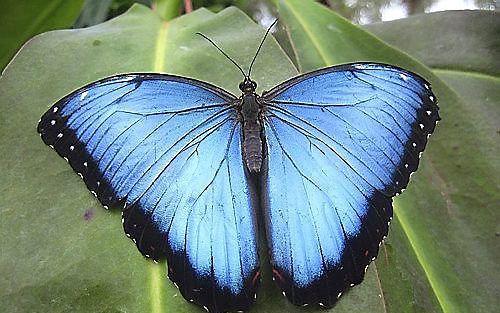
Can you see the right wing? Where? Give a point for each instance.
(341, 142)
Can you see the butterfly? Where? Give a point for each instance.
(318, 157)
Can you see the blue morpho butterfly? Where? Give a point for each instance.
(321, 155)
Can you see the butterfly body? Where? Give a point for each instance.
(251, 117)
(331, 147)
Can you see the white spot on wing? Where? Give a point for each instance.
(83, 95)
(361, 66)
(128, 78)
(59, 135)
(403, 76)
(55, 109)
(53, 122)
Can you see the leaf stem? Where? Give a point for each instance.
(167, 9)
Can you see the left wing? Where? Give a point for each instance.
(341, 142)
(168, 150)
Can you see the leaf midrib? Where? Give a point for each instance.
(157, 278)
(310, 34)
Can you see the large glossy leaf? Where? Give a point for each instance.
(440, 248)
(60, 250)
(22, 20)
(470, 67)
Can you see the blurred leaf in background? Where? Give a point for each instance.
(97, 11)
(463, 41)
(218, 5)
(370, 11)
(21, 20)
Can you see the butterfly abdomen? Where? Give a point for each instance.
(252, 129)
(252, 147)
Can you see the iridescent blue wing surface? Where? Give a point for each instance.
(341, 142)
(167, 150)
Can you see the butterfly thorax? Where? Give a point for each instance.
(252, 128)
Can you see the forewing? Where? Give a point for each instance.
(341, 142)
(168, 151)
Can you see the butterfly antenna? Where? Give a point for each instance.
(260, 46)
(227, 56)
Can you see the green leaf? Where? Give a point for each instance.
(439, 255)
(167, 9)
(467, 41)
(473, 76)
(93, 12)
(22, 20)
(60, 250)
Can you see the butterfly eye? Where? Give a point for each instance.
(242, 86)
(254, 84)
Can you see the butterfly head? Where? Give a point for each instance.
(248, 85)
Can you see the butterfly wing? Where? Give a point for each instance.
(341, 142)
(168, 150)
